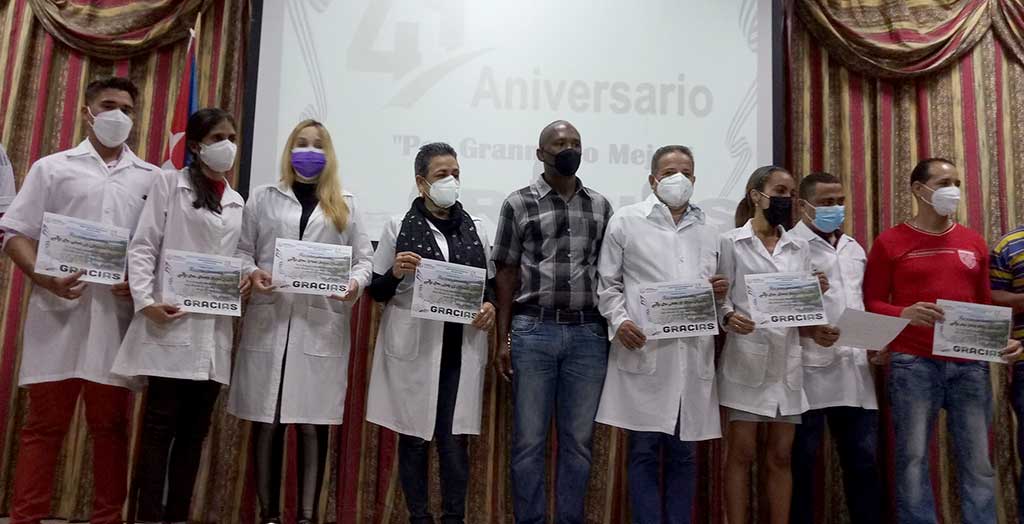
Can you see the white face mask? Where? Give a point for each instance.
(219, 156)
(675, 190)
(945, 200)
(111, 127)
(445, 192)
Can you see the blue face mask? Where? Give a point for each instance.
(829, 218)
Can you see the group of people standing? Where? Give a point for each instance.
(564, 275)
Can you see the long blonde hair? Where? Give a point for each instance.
(328, 187)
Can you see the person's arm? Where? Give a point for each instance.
(506, 256)
(878, 282)
(144, 249)
(362, 251)
(611, 289)
(1001, 279)
(249, 239)
(984, 284)
(384, 283)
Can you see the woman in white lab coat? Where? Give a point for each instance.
(761, 373)
(428, 376)
(292, 363)
(185, 356)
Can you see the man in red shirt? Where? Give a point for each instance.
(910, 267)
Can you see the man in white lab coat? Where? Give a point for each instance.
(73, 329)
(837, 380)
(661, 390)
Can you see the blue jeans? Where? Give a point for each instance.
(1017, 399)
(918, 387)
(559, 369)
(645, 466)
(855, 431)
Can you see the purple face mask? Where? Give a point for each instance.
(308, 162)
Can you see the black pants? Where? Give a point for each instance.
(175, 423)
(452, 454)
(312, 460)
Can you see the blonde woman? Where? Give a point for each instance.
(292, 363)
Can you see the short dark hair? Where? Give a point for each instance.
(428, 152)
(808, 183)
(664, 150)
(921, 170)
(119, 83)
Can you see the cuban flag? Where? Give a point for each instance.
(177, 154)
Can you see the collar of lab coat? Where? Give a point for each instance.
(229, 197)
(747, 232)
(85, 149)
(288, 192)
(801, 230)
(653, 206)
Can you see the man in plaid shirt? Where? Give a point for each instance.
(554, 346)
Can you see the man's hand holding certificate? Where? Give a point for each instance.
(69, 245)
(448, 292)
(678, 309)
(972, 331)
(785, 300)
(198, 283)
(311, 268)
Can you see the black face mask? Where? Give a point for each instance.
(567, 161)
(780, 211)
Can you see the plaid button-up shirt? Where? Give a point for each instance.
(555, 244)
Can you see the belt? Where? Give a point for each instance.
(559, 316)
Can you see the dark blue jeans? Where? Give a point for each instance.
(559, 369)
(918, 388)
(649, 506)
(855, 431)
(452, 454)
(1017, 398)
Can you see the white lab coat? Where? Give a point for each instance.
(196, 346)
(667, 381)
(837, 376)
(77, 338)
(7, 185)
(407, 357)
(760, 373)
(304, 337)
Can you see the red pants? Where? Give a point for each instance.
(51, 405)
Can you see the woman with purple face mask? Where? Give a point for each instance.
(292, 363)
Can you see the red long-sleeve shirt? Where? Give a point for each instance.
(907, 266)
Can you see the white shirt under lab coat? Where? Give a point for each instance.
(760, 373)
(837, 376)
(407, 357)
(304, 337)
(668, 380)
(77, 338)
(195, 346)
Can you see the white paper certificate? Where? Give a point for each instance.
(860, 329)
(678, 309)
(449, 292)
(199, 283)
(972, 331)
(785, 300)
(68, 245)
(311, 268)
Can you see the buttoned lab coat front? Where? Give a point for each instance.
(760, 373)
(837, 376)
(407, 357)
(303, 340)
(77, 338)
(196, 346)
(668, 380)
